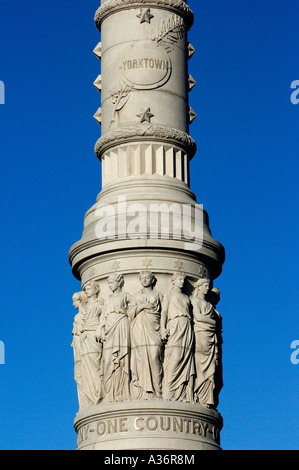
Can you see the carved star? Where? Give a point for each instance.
(203, 272)
(146, 116)
(146, 262)
(116, 265)
(178, 265)
(145, 17)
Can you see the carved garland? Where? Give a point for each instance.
(177, 6)
(141, 132)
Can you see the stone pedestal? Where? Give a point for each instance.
(147, 325)
(146, 425)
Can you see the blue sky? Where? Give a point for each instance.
(245, 174)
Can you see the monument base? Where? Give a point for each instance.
(148, 425)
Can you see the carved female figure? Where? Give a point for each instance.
(79, 301)
(207, 326)
(147, 346)
(91, 351)
(114, 332)
(176, 329)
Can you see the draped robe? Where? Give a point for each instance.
(91, 355)
(207, 360)
(116, 348)
(147, 346)
(179, 366)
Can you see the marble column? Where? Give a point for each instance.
(147, 327)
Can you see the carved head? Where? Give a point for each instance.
(202, 286)
(178, 279)
(115, 281)
(92, 288)
(147, 278)
(78, 298)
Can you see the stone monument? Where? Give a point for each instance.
(147, 337)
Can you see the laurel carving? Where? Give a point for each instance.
(169, 32)
(140, 132)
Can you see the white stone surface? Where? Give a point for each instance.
(143, 318)
(144, 425)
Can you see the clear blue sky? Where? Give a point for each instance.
(245, 174)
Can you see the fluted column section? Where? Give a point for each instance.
(144, 88)
(136, 229)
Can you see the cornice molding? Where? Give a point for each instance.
(176, 6)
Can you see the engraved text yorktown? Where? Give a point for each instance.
(145, 66)
(145, 63)
(147, 333)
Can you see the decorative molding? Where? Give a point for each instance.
(192, 115)
(98, 83)
(191, 82)
(176, 6)
(138, 422)
(91, 250)
(98, 116)
(140, 132)
(191, 50)
(98, 51)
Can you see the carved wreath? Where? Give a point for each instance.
(129, 133)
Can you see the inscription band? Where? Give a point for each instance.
(147, 424)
